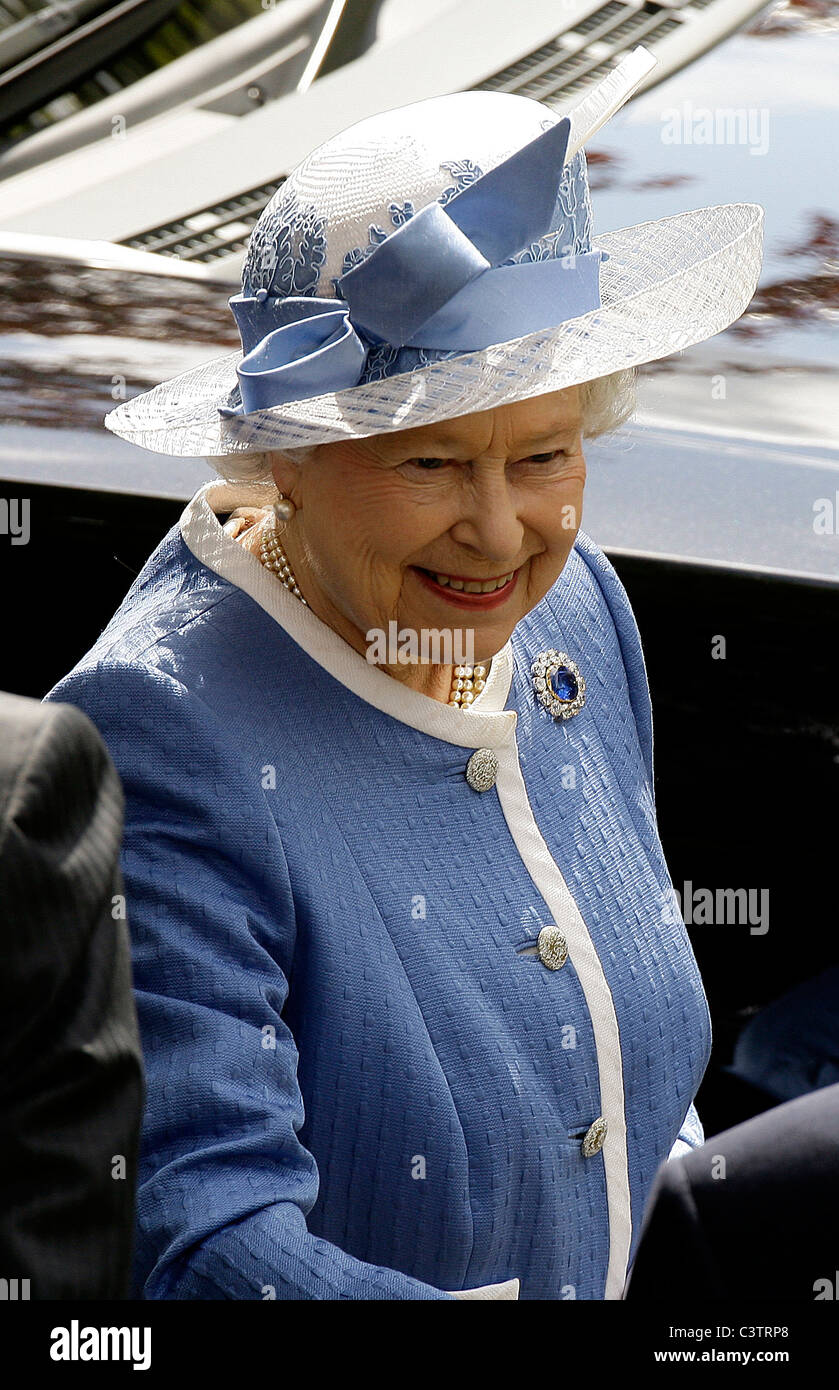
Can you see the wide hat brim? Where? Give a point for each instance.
(667, 284)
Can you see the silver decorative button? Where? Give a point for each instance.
(553, 948)
(593, 1142)
(482, 770)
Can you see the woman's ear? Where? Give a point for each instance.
(286, 475)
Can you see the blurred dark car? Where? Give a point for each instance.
(718, 505)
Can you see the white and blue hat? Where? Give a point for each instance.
(437, 260)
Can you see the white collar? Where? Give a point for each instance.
(485, 725)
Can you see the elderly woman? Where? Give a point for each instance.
(419, 1018)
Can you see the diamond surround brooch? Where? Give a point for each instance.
(558, 683)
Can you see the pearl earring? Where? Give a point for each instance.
(284, 510)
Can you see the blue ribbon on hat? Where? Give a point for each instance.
(433, 283)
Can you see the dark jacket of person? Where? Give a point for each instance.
(71, 1075)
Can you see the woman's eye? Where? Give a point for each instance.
(424, 465)
(434, 465)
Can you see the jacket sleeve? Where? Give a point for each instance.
(225, 1184)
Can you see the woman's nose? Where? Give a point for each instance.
(489, 523)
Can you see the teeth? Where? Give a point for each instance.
(474, 586)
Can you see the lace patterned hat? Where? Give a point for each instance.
(438, 260)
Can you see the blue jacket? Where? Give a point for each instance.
(363, 1081)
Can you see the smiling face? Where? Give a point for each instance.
(465, 524)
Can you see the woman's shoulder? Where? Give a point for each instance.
(159, 645)
(176, 609)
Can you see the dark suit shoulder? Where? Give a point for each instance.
(57, 781)
(793, 1142)
(43, 747)
(61, 816)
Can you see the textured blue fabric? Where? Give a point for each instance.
(288, 249)
(346, 1100)
(437, 281)
(321, 350)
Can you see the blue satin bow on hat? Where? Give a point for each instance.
(433, 283)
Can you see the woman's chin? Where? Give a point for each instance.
(473, 644)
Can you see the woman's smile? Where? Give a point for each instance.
(466, 591)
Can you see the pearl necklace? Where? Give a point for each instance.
(274, 558)
(467, 681)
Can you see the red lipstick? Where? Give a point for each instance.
(458, 599)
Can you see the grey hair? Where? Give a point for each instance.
(608, 402)
(255, 467)
(605, 404)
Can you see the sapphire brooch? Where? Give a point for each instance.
(558, 683)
